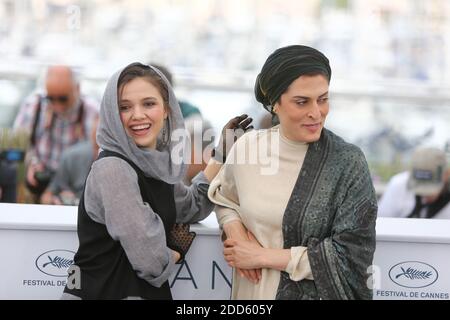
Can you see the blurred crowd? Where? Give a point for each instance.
(370, 40)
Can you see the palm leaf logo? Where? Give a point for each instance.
(413, 274)
(58, 262)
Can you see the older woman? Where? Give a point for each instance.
(307, 229)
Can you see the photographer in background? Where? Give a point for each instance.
(56, 120)
(421, 192)
(67, 185)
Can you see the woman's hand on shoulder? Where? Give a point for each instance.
(232, 131)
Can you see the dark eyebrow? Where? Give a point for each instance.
(300, 97)
(146, 98)
(306, 98)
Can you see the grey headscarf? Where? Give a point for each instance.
(166, 162)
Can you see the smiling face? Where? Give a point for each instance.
(142, 111)
(303, 108)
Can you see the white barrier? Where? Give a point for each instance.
(412, 259)
(37, 244)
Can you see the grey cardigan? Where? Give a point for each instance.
(332, 211)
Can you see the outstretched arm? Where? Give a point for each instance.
(192, 201)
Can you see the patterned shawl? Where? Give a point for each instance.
(332, 211)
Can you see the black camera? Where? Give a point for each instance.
(43, 177)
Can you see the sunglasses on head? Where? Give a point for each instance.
(60, 99)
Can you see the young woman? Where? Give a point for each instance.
(307, 229)
(133, 195)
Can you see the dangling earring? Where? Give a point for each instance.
(164, 133)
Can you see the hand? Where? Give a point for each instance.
(233, 130)
(176, 256)
(253, 275)
(180, 239)
(67, 197)
(31, 171)
(237, 231)
(243, 254)
(47, 198)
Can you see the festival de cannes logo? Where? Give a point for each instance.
(55, 263)
(413, 274)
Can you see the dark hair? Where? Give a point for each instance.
(139, 70)
(285, 65)
(164, 71)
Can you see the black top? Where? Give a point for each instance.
(432, 208)
(106, 272)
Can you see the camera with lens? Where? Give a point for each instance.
(43, 177)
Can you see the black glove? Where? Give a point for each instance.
(233, 130)
(180, 239)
